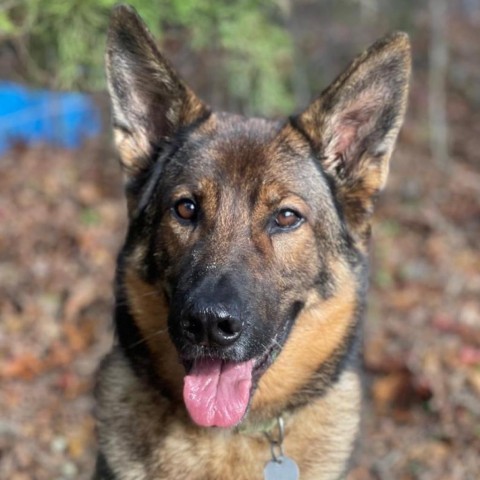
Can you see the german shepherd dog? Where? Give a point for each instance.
(241, 285)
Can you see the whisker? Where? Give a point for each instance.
(148, 337)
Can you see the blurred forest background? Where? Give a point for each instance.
(62, 217)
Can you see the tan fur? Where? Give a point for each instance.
(319, 330)
(150, 310)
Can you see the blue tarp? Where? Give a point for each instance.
(40, 116)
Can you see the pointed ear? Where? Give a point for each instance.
(354, 123)
(149, 101)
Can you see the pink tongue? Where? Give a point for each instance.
(216, 393)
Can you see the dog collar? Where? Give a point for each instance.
(264, 427)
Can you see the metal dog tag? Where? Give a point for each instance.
(283, 468)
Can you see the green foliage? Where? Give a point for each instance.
(257, 52)
(6, 24)
(260, 57)
(61, 43)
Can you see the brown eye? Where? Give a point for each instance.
(185, 209)
(287, 219)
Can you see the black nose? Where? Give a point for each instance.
(213, 326)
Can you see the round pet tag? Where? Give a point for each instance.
(283, 468)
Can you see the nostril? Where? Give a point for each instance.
(194, 327)
(226, 327)
(212, 327)
(226, 330)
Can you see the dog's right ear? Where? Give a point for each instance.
(149, 101)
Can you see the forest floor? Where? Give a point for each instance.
(62, 220)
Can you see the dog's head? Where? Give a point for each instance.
(245, 249)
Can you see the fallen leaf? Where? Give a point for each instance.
(25, 366)
(469, 355)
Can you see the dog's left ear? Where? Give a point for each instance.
(150, 102)
(354, 123)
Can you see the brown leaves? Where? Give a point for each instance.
(394, 387)
(59, 233)
(422, 345)
(24, 367)
(399, 390)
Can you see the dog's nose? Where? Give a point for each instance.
(213, 327)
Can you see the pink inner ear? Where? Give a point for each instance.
(349, 127)
(345, 136)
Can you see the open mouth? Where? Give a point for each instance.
(218, 392)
